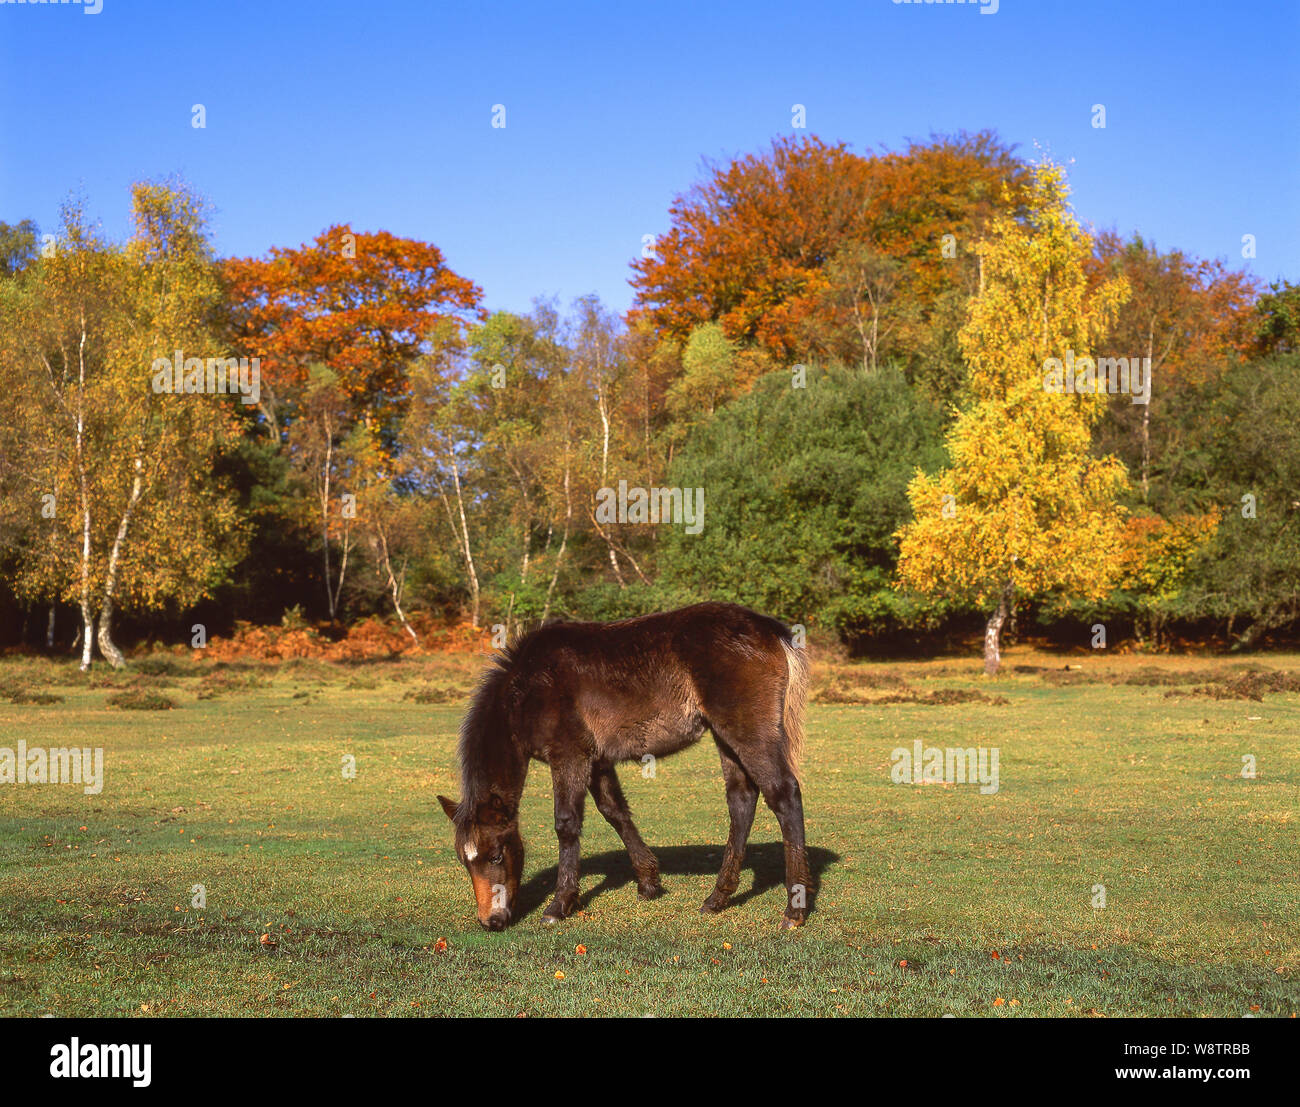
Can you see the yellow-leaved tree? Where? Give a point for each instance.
(118, 503)
(1024, 511)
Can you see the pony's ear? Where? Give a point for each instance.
(450, 806)
(494, 811)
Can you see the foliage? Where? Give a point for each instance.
(1023, 511)
(804, 490)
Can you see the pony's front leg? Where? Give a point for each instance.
(569, 783)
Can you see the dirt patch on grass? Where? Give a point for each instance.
(140, 699)
(228, 682)
(430, 693)
(944, 697)
(1151, 676)
(19, 692)
(1253, 685)
(843, 689)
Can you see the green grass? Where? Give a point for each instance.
(985, 897)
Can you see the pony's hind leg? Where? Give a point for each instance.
(786, 800)
(569, 780)
(766, 763)
(742, 799)
(607, 793)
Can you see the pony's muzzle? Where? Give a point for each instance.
(497, 920)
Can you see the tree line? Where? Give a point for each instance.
(886, 381)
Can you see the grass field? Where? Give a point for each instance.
(327, 895)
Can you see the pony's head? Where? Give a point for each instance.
(489, 846)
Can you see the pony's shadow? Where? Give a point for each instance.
(766, 860)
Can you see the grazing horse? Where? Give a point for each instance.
(583, 696)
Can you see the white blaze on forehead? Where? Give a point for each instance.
(471, 851)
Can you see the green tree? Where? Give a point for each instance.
(804, 489)
(17, 246)
(1243, 463)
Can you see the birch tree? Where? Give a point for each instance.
(117, 473)
(1023, 511)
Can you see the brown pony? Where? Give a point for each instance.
(582, 696)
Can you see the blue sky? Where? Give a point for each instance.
(379, 114)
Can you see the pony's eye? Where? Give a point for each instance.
(498, 858)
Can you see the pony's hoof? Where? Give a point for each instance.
(787, 923)
(649, 891)
(559, 909)
(711, 907)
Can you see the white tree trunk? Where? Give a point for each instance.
(993, 633)
(106, 645)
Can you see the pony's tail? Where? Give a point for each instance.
(796, 698)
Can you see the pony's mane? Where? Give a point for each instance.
(486, 752)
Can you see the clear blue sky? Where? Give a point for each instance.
(378, 113)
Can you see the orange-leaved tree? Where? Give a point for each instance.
(362, 304)
(808, 247)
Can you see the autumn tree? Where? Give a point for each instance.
(861, 306)
(322, 442)
(745, 245)
(116, 472)
(513, 362)
(1183, 317)
(364, 304)
(1023, 511)
(388, 523)
(755, 246)
(1156, 556)
(599, 369)
(438, 452)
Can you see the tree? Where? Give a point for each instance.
(750, 246)
(363, 304)
(317, 444)
(439, 449)
(805, 489)
(123, 510)
(17, 246)
(745, 245)
(862, 290)
(1156, 556)
(1244, 466)
(1277, 320)
(1023, 511)
(1183, 316)
(708, 376)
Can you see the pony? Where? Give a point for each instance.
(582, 697)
